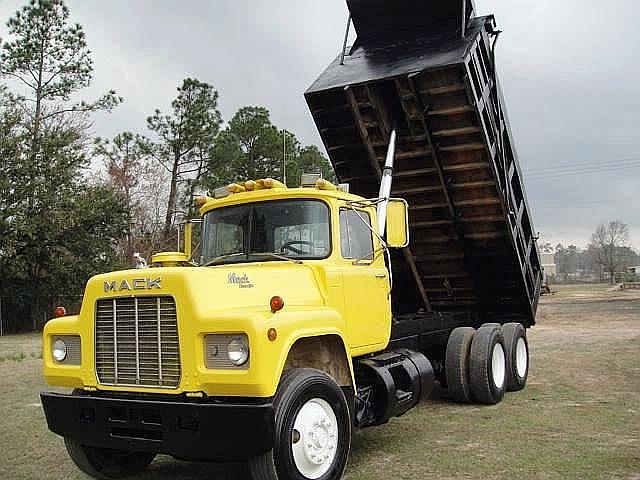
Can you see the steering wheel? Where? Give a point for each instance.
(288, 246)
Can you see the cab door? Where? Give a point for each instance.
(366, 282)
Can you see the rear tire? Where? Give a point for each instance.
(488, 365)
(457, 364)
(312, 430)
(517, 350)
(106, 463)
(491, 324)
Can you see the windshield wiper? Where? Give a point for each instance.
(278, 256)
(221, 258)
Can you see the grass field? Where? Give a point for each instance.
(578, 418)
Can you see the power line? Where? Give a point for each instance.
(602, 166)
(581, 171)
(565, 166)
(570, 206)
(574, 204)
(604, 203)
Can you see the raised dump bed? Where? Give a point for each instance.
(427, 69)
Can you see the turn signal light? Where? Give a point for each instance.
(276, 303)
(272, 334)
(59, 312)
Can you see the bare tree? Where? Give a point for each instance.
(608, 243)
(143, 184)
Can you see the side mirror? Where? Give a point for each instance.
(186, 246)
(188, 233)
(397, 223)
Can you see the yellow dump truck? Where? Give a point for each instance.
(312, 311)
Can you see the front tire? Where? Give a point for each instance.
(106, 463)
(312, 430)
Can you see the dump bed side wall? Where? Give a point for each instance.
(472, 240)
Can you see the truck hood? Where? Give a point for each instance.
(219, 288)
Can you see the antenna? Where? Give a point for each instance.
(284, 157)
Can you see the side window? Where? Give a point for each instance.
(356, 240)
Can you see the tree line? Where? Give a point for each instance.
(60, 220)
(607, 257)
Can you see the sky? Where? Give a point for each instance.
(570, 72)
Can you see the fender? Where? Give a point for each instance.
(307, 323)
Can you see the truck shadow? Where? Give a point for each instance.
(167, 468)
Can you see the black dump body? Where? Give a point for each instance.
(426, 67)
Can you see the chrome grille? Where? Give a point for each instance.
(137, 342)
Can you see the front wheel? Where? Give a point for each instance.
(106, 463)
(312, 430)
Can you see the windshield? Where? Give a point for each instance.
(295, 229)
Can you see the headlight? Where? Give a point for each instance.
(65, 349)
(59, 350)
(238, 351)
(226, 351)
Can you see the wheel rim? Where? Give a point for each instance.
(522, 358)
(498, 365)
(314, 439)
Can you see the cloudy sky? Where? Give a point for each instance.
(569, 71)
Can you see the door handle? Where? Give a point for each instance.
(381, 275)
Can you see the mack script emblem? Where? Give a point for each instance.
(135, 284)
(241, 280)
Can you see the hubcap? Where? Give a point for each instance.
(314, 446)
(522, 359)
(498, 365)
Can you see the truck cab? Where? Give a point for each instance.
(287, 279)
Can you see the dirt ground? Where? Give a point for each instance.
(578, 418)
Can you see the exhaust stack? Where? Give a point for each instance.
(385, 184)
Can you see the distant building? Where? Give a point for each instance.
(548, 261)
(634, 270)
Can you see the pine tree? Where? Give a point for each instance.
(47, 56)
(184, 138)
(252, 147)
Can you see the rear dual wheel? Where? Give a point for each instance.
(480, 365)
(488, 365)
(517, 348)
(457, 364)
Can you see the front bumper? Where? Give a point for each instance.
(209, 430)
